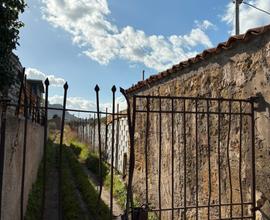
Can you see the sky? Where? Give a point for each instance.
(110, 42)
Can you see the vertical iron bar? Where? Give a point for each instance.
(91, 133)
(253, 156)
(31, 111)
(240, 160)
(2, 149)
(60, 153)
(219, 161)
(47, 83)
(209, 159)
(172, 154)
(106, 134)
(94, 138)
(131, 127)
(228, 156)
(146, 150)
(83, 129)
(20, 92)
(159, 159)
(24, 150)
(112, 152)
(117, 141)
(99, 148)
(132, 154)
(197, 160)
(185, 159)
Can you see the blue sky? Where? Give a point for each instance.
(107, 42)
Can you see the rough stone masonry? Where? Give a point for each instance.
(239, 70)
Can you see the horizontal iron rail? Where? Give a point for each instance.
(194, 112)
(194, 98)
(71, 110)
(201, 206)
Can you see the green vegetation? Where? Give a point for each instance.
(92, 162)
(33, 211)
(34, 205)
(9, 32)
(88, 192)
(71, 207)
(80, 149)
(119, 189)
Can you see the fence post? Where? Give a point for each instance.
(112, 152)
(2, 148)
(131, 126)
(253, 156)
(24, 149)
(117, 141)
(47, 83)
(60, 153)
(106, 135)
(99, 147)
(20, 92)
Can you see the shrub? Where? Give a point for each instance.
(92, 163)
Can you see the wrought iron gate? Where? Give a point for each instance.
(191, 158)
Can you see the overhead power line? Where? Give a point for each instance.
(253, 6)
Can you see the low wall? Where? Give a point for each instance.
(13, 164)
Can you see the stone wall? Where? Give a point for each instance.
(239, 72)
(13, 164)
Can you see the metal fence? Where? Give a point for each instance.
(192, 157)
(28, 107)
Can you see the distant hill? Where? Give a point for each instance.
(51, 113)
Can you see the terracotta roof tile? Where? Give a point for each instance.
(231, 42)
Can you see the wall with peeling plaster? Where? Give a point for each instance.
(241, 71)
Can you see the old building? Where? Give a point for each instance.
(205, 159)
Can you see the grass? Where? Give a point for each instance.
(92, 162)
(71, 207)
(90, 195)
(34, 205)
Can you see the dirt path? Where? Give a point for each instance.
(105, 196)
(80, 200)
(51, 200)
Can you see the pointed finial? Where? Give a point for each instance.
(114, 89)
(66, 86)
(47, 82)
(122, 90)
(97, 88)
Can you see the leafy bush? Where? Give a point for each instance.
(92, 163)
(76, 150)
(9, 32)
(119, 189)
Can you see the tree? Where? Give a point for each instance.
(9, 36)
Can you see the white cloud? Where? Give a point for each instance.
(88, 23)
(36, 74)
(249, 17)
(89, 105)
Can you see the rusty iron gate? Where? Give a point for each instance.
(191, 158)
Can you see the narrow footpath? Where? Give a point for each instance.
(105, 195)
